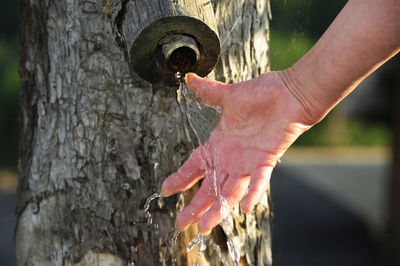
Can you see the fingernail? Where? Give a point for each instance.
(165, 195)
(204, 232)
(246, 210)
(189, 75)
(202, 228)
(186, 78)
(164, 191)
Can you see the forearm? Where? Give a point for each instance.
(364, 35)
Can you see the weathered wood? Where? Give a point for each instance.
(245, 55)
(96, 140)
(140, 14)
(146, 52)
(147, 24)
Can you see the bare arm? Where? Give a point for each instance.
(262, 117)
(364, 35)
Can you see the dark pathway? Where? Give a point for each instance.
(312, 230)
(7, 221)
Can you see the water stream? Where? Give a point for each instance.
(203, 242)
(202, 119)
(147, 213)
(232, 247)
(174, 237)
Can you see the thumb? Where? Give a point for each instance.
(210, 91)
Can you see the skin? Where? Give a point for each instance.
(262, 117)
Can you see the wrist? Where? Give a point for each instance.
(313, 108)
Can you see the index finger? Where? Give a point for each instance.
(186, 176)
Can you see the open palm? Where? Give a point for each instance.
(261, 118)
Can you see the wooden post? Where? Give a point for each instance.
(149, 24)
(96, 140)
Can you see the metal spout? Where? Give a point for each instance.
(181, 54)
(172, 44)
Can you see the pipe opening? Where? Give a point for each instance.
(181, 53)
(182, 59)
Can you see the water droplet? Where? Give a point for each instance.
(160, 202)
(126, 186)
(178, 75)
(156, 227)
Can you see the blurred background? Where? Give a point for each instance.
(9, 94)
(331, 191)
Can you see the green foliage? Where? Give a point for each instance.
(296, 25)
(364, 134)
(287, 49)
(10, 81)
(311, 17)
(9, 95)
(338, 130)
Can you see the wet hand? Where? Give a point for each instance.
(261, 118)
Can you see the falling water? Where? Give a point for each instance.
(202, 118)
(202, 125)
(203, 242)
(232, 248)
(147, 213)
(199, 240)
(174, 238)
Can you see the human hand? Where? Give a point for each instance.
(260, 119)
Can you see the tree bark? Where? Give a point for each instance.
(96, 140)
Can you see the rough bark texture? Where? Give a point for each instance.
(96, 140)
(245, 55)
(162, 20)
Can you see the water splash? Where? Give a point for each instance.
(147, 213)
(200, 241)
(134, 250)
(171, 241)
(217, 249)
(203, 242)
(232, 247)
(201, 125)
(174, 237)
